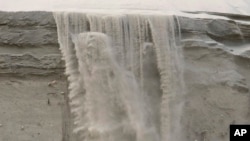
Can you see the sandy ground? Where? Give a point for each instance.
(217, 93)
(30, 109)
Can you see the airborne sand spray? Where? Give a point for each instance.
(125, 75)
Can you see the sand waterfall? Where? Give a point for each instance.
(125, 75)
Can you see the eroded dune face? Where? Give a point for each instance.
(216, 70)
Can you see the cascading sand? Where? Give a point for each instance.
(125, 75)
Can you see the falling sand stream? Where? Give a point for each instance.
(125, 75)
